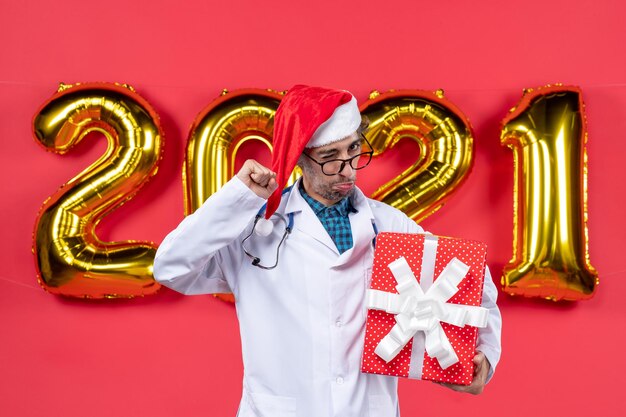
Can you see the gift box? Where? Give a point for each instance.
(424, 307)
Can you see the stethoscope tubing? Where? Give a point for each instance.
(256, 261)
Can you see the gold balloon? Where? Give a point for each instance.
(216, 135)
(547, 133)
(70, 258)
(445, 142)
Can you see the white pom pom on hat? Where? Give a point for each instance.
(263, 227)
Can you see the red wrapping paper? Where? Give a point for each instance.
(391, 246)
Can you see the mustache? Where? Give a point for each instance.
(345, 180)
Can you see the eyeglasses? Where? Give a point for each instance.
(335, 166)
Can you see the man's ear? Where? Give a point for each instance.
(300, 161)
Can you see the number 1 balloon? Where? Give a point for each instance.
(547, 133)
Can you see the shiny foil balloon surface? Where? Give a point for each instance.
(445, 142)
(216, 135)
(547, 133)
(70, 258)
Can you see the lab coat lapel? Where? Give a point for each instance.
(362, 229)
(307, 222)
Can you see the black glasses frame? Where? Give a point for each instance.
(345, 161)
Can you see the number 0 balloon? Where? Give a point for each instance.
(547, 133)
(216, 135)
(70, 258)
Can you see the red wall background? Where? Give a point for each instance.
(168, 354)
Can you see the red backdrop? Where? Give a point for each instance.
(173, 355)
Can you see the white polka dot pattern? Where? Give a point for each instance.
(391, 246)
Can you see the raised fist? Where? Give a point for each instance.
(258, 178)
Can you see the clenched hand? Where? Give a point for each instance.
(258, 178)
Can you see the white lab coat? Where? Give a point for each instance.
(302, 323)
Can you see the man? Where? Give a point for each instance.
(299, 266)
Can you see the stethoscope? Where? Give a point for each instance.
(256, 261)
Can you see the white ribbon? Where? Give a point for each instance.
(416, 310)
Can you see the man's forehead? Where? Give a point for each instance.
(340, 144)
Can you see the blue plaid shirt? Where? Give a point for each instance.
(334, 219)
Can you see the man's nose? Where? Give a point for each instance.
(346, 169)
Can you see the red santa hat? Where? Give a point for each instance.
(308, 117)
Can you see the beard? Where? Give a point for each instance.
(327, 187)
(329, 193)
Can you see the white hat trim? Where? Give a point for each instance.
(344, 121)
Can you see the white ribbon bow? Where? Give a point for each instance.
(416, 311)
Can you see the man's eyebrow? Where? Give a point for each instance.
(332, 151)
(327, 152)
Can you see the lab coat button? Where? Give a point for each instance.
(339, 380)
(338, 323)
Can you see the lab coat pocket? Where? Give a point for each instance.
(381, 405)
(266, 405)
